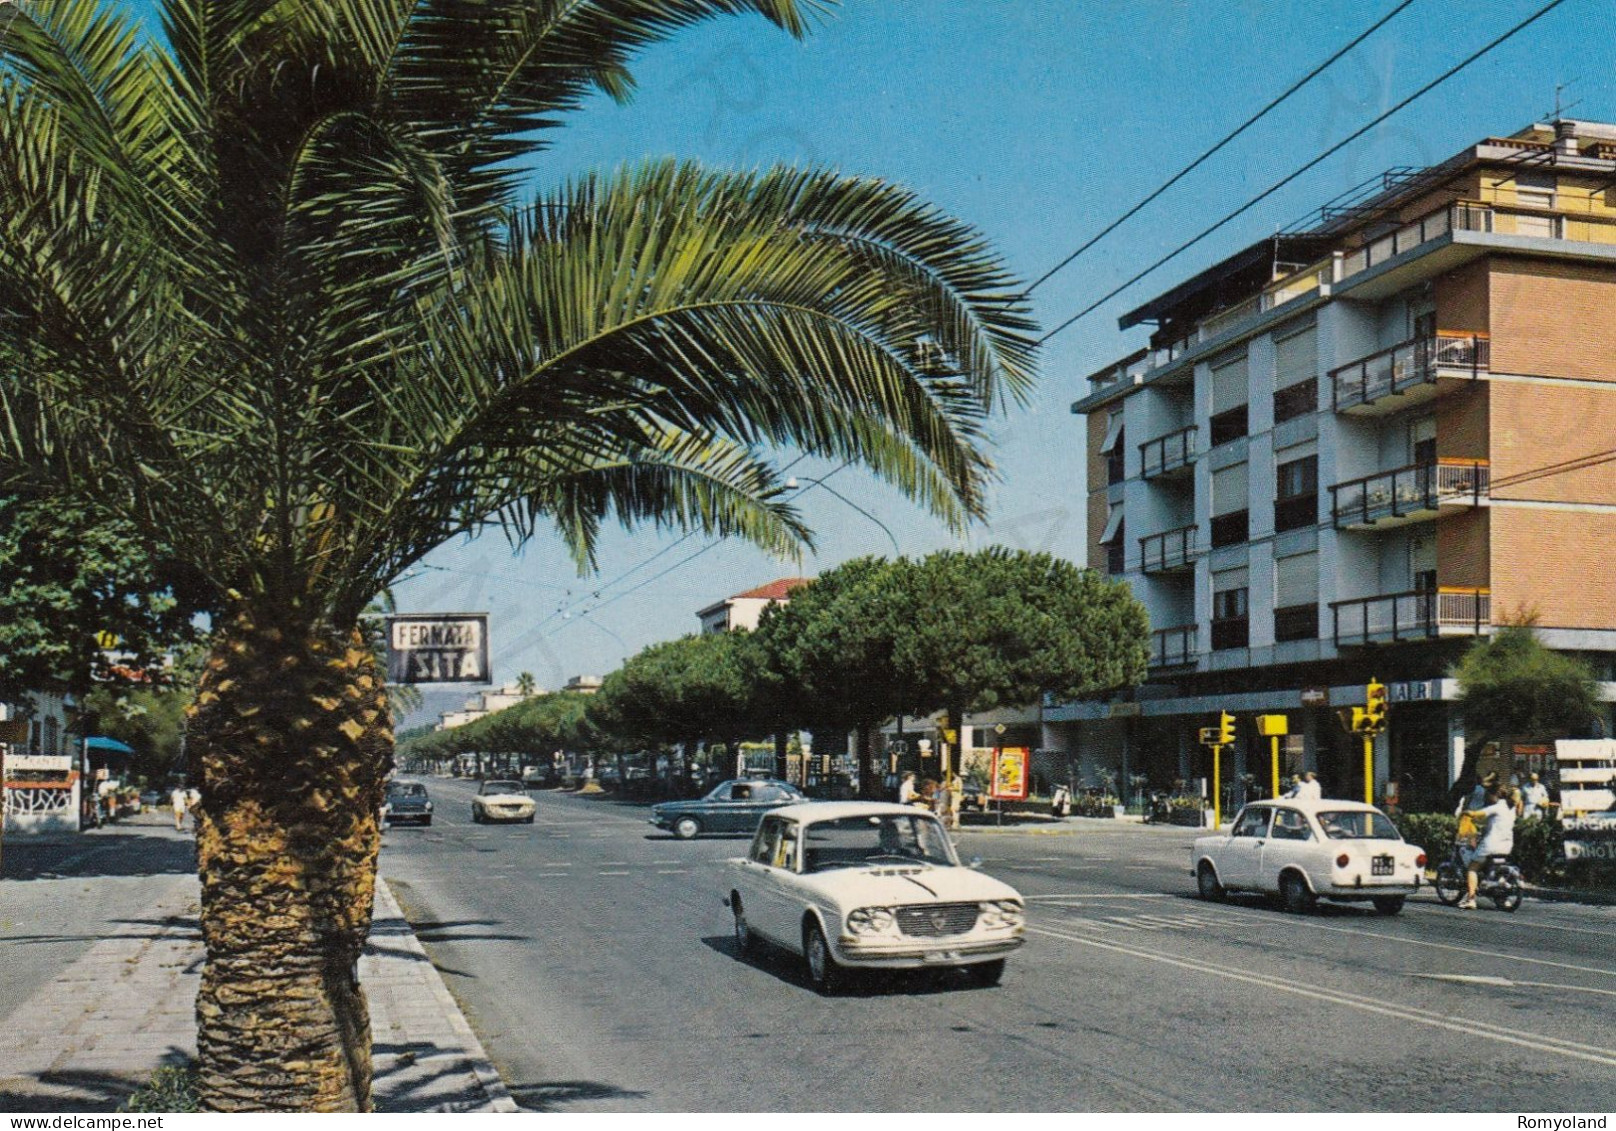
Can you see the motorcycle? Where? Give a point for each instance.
(1498, 880)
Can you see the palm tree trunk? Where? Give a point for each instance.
(292, 740)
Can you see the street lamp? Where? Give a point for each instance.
(793, 483)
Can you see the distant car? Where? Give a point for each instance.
(973, 796)
(152, 799)
(731, 807)
(1305, 850)
(870, 885)
(407, 803)
(502, 800)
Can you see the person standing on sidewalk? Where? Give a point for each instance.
(177, 799)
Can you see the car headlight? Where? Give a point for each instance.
(1002, 913)
(870, 920)
(429, 806)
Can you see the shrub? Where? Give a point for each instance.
(169, 1089)
(1539, 842)
(1433, 832)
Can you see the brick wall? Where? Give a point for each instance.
(1462, 298)
(1556, 564)
(1553, 319)
(1462, 422)
(1463, 556)
(1094, 427)
(1541, 431)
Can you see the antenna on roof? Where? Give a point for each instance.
(1560, 108)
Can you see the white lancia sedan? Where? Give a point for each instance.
(1305, 850)
(867, 885)
(502, 801)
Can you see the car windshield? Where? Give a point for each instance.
(883, 838)
(501, 787)
(407, 789)
(1357, 824)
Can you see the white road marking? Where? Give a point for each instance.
(1471, 1028)
(611, 873)
(552, 875)
(1505, 983)
(673, 871)
(1119, 895)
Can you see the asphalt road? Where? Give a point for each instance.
(595, 958)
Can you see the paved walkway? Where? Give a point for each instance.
(84, 1041)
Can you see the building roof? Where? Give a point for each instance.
(778, 590)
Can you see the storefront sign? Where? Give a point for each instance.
(58, 763)
(1414, 691)
(438, 648)
(1009, 774)
(1315, 696)
(1591, 838)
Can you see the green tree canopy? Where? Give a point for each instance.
(1511, 685)
(683, 691)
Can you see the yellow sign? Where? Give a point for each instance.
(950, 735)
(1272, 725)
(1010, 773)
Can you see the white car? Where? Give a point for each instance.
(502, 801)
(868, 885)
(1305, 850)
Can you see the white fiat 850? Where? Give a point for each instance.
(1306, 849)
(866, 885)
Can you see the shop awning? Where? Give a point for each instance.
(107, 745)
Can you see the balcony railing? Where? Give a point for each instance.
(1170, 550)
(1171, 452)
(1406, 365)
(1173, 646)
(1416, 491)
(1417, 615)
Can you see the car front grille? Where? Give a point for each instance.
(936, 920)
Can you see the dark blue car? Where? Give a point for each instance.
(731, 807)
(408, 803)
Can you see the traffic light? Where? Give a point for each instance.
(1375, 704)
(1225, 728)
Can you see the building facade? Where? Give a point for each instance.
(744, 609)
(1351, 449)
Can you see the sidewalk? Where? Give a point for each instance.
(86, 1040)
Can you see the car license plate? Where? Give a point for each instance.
(940, 956)
(1380, 866)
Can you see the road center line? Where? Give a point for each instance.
(1119, 895)
(1538, 1042)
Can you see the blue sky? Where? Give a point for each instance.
(1038, 121)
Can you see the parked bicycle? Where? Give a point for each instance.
(1498, 880)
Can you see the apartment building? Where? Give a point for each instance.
(1352, 448)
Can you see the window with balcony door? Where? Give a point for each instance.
(1296, 494)
(1112, 449)
(1296, 597)
(1296, 382)
(1231, 389)
(1230, 609)
(1231, 518)
(1112, 539)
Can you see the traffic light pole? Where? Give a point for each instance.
(1274, 739)
(1217, 787)
(1369, 768)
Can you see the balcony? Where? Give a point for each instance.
(1408, 372)
(1173, 647)
(1169, 552)
(1169, 455)
(1416, 493)
(1419, 615)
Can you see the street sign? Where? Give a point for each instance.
(437, 648)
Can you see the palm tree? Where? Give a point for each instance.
(270, 293)
(526, 685)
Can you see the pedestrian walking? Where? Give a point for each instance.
(179, 801)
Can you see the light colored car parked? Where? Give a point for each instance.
(869, 885)
(502, 801)
(1305, 850)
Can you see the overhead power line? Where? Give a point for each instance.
(1322, 157)
(1225, 140)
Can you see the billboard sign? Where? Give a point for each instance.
(437, 648)
(1009, 773)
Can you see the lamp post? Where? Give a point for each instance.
(794, 482)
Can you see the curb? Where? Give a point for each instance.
(493, 1086)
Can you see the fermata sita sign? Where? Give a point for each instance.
(437, 648)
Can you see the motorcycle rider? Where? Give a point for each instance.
(1497, 839)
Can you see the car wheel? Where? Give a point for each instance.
(986, 973)
(1206, 881)
(1508, 896)
(823, 972)
(427, 822)
(1449, 883)
(1296, 895)
(528, 820)
(476, 816)
(745, 940)
(686, 828)
(1388, 904)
